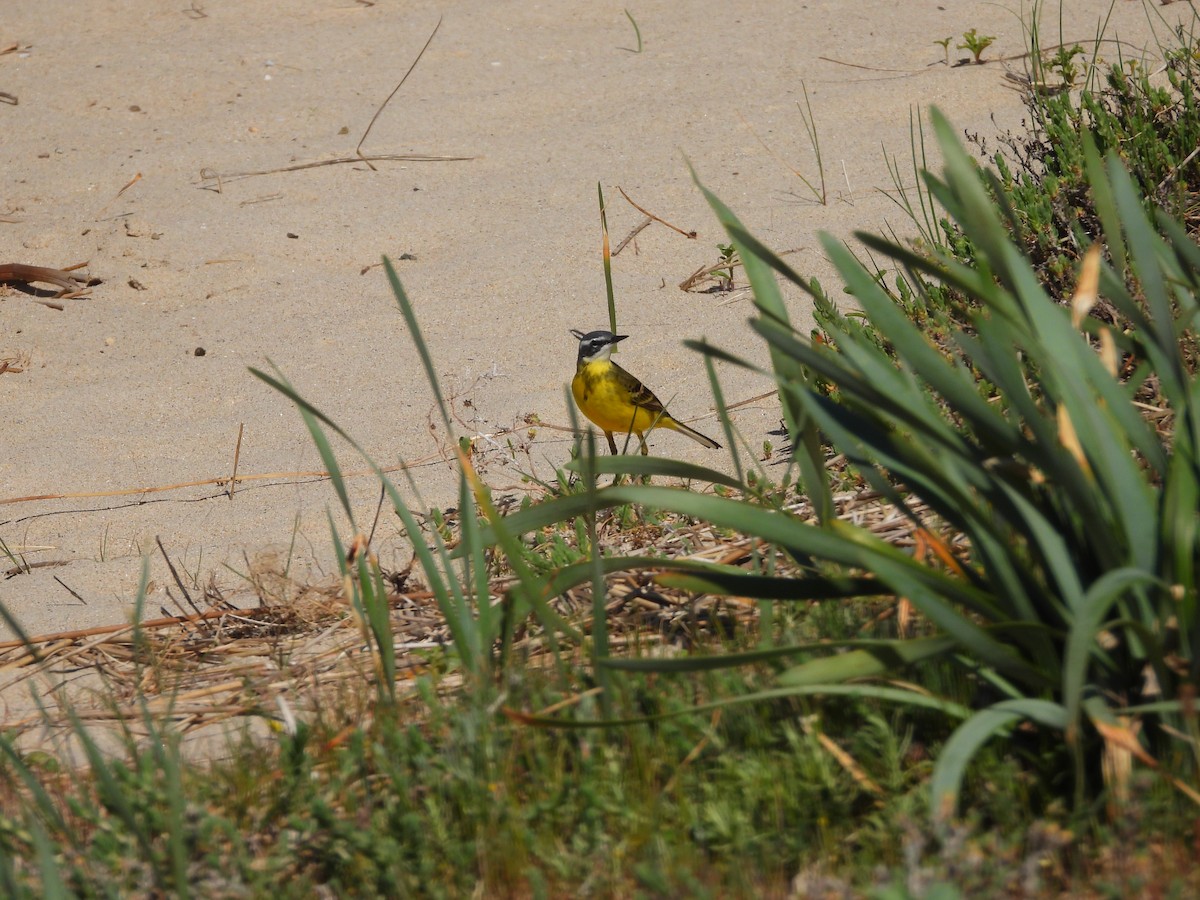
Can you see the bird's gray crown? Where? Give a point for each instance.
(592, 343)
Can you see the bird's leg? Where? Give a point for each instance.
(642, 441)
(612, 445)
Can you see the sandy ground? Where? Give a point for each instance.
(127, 109)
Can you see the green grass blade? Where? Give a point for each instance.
(312, 416)
(1090, 619)
(410, 319)
(696, 663)
(376, 608)
(606, 254)
(53, 886)
(768, 299)
(946, 782)
(528, 587)
(886, 658)
(900, 696)
(700, 576)
(629, 464)
(1143, 260)
(112, 795)
(1106, 205)
(164, 749)
(43, 806)
(773, 587)
(727, 428)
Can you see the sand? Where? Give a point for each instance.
(127, 112)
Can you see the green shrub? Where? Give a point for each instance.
(1070, 594)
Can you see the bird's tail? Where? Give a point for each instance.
(694, 435)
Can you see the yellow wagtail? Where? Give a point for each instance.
(614, 399)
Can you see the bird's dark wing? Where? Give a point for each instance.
(641, 395)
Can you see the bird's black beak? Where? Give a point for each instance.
(619, 337)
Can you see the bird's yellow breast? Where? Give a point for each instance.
(603, 397)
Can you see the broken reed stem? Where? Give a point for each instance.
(265, 476)
(237, 453)
(175, 574)
(371, 124)
(207, 174)
(690, 235)
(637, 229)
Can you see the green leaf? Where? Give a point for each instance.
(312, 416)
(946, 782)
(773, 587)
(410, 319)
(878, 660)
(629, 464)
(865, 691)
(1090, 618)
(758, 263)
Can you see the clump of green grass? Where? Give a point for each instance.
(1148, 115)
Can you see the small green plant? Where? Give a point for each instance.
(944, 43)
(724, 272)
(976, 43)
(1063, 62)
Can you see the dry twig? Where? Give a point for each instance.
(66, 279)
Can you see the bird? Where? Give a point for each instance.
(615, 400)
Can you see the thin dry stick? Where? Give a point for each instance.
(109, 630)
(237, 453)
(154, 489)
(130, 183)
(750, 400)
(779, 159)
(691, 235)
(1174, 173)
(693, 754)
(70, 590)
(844, 759)
(637, 229)
(704, 271)
(265, 476)
(207, 174)
(26, 567)
(175, 575)
(378, 511)
(839, 62)
(371, 124)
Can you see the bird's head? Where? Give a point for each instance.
(596, 345)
